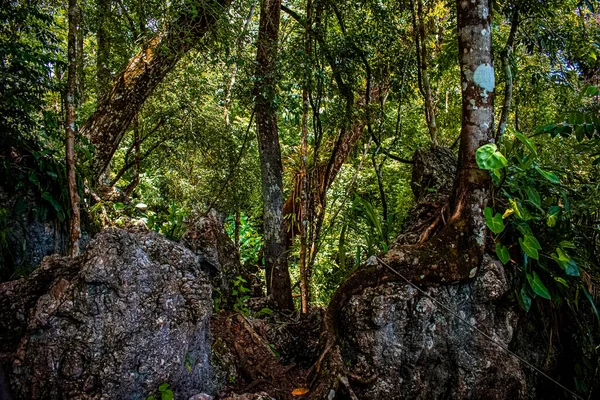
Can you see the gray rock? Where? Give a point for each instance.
(206, 237)
(130, 313)
(418, 350)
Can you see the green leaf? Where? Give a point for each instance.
(591, 91)
(550, 176)
(33, 178)
(502, 253)
(163, 387)
(591, 300)
(488, 157)
(515, 207)
(561, 281)
(524, 299)
(167, 395)
(494, 222)
(538, 287)
(566, 263)
(553, 215)
(533, 196)
(530, 246)
(565, 244)
(57, 207)
(527, 142)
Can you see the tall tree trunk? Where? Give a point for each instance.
(75, 230)
(421, 46)
(304, 282)
(103, 75)
(275, 254)
(508, 91)
(478, 83)
(106, 127)
(80, 59)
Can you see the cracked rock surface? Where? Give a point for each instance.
(128, 314)
(418, 350)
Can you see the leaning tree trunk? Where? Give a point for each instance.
(106, 127)
(75, 229)
(277, 273)
(454, 252)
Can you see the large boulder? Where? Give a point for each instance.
(130, 313)
(420, 350)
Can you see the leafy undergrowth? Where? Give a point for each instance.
(265, 355)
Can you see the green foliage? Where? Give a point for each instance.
(241, 294)
(250, 239)
(164, 392)
(540, 216)
(28, 58)
(488, 157)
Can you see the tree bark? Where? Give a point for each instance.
(275, 254)
(106, 127)
(508, 91)
(75, 229)
(80, 59)
(478, 84)
(304, 282)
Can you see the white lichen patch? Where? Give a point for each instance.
(484, 77)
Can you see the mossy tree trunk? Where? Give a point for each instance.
(275, 254)
(106, 127)
(75, 229)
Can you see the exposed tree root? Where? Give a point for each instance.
(448, 257)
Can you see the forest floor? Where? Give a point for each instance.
(271, 356)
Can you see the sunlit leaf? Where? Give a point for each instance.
(494, 222)
(530, 246)
(488, 157)
(550, 176)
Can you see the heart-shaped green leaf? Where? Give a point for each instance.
(488, 157)
(553, 215)
(494, 222)
(537, 286)
(530, 246)
(502, 253)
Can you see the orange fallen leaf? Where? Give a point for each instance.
(300, 391)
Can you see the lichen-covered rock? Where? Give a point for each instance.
(419, 350)
(130, 313)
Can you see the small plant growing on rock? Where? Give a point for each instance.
(164, 391)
